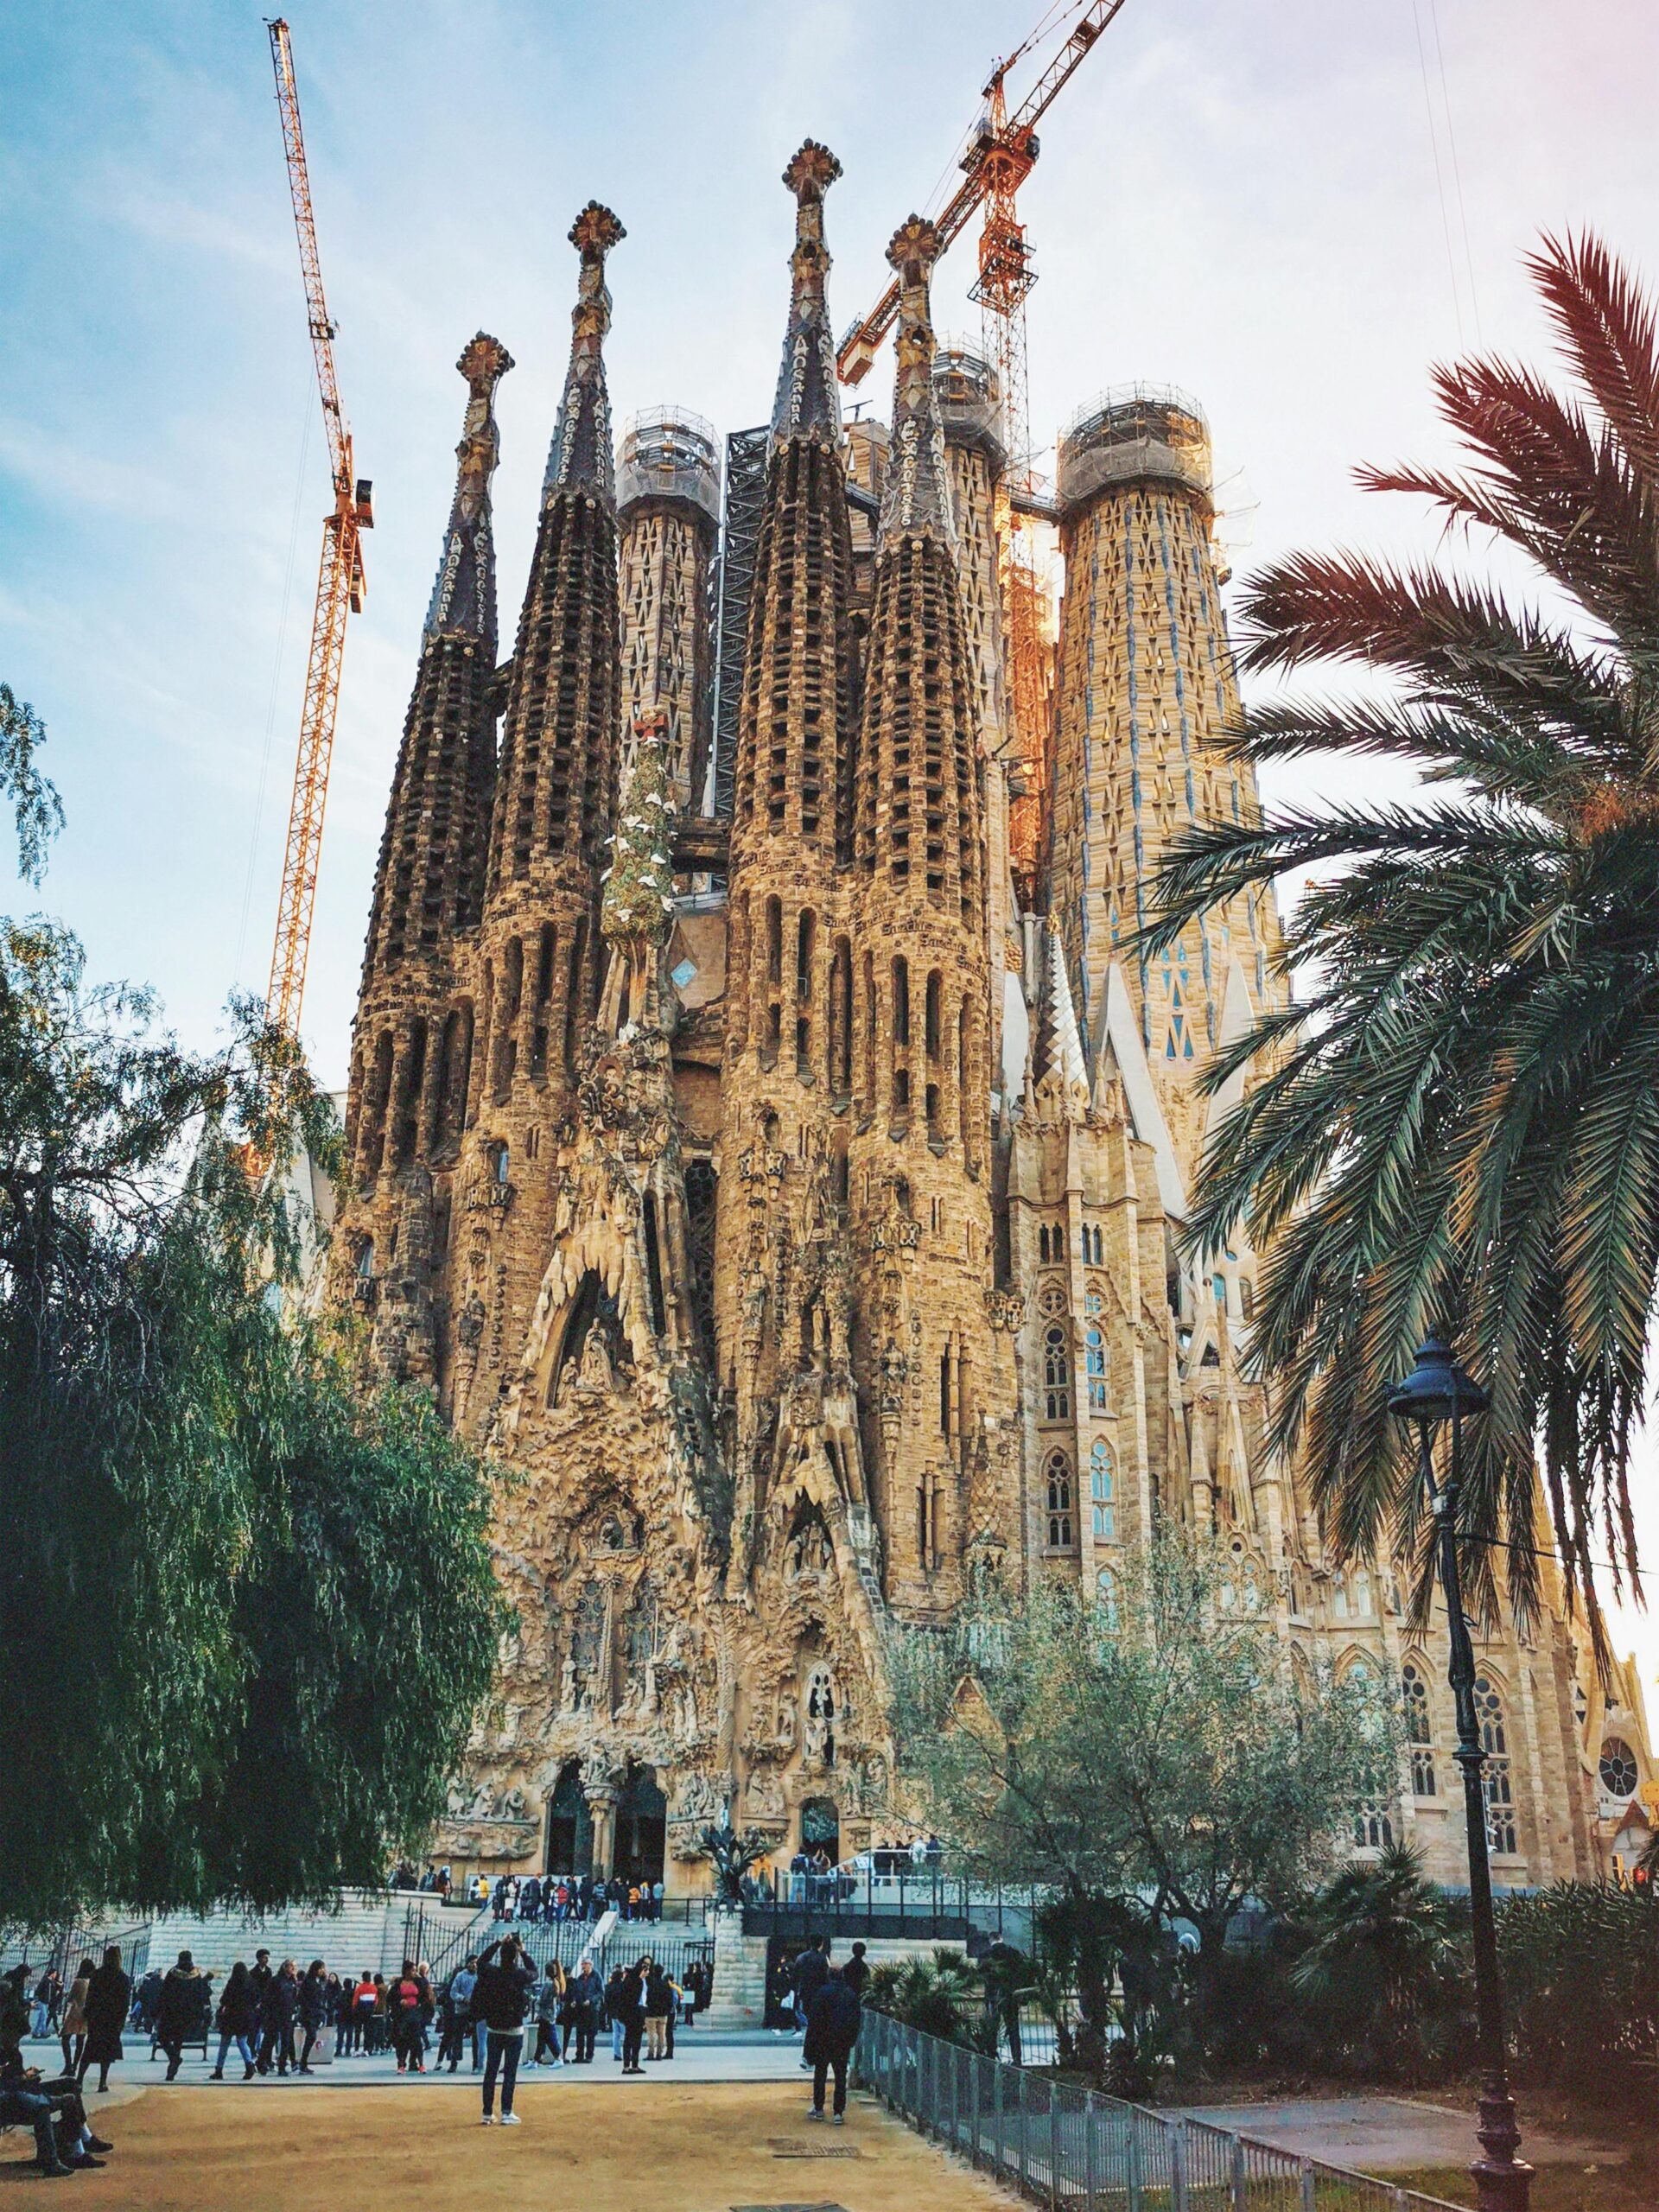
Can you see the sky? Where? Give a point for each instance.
(1290, 208)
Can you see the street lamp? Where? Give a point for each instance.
(1438, 1390)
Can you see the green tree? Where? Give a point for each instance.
(1386, 1963)
(1162, 1748)
(1459, 1126)
(246, 1613)
(35, 805)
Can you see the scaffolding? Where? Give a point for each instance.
(1133, 433)
(969, 396)
(746, 485)
(668, 453)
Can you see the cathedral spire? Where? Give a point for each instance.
(916, 496)
(808, 405)
(463, 596)
(580, 458)
(1056, 1046)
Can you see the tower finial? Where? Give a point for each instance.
(463, 597)
(915, 497)
(808, 405)
(580, 459)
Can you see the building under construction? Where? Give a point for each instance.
(766, 1135)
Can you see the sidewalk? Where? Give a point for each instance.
(1378, 2134)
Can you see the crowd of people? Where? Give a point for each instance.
(51, 2105)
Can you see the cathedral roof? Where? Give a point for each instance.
(1056, 1046)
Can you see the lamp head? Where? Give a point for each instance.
(1436, 1389)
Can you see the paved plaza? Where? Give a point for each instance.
(417, 2145)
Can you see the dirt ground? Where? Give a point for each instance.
(705, 2147)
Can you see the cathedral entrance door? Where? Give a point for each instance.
(641, 1826)
(570, 1825)
(820, 1828)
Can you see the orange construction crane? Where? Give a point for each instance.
(340, 587)
(1001, 152)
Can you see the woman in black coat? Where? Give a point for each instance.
(314, 2009)
(237, 2020)
(108, 1996)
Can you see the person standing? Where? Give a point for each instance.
(631, 2000)
(586, 1996)
(462, 1982)
(313, 2009)
(108, 1996)
(276, 2023)
(72, 2032)
(237, 2020)
(501, 1997)
(831, 2032)
(42, 2007)
(613, 2008)
(404, 2002)
(260, 1977)
(657, 2002)
(811, 1972)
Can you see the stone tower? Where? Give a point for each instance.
(1147, 690)
(413, 1035)
(781, 1284)
(668, 517)
(919, 1055)
(540, 959)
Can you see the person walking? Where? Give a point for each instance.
(72, 2033)
(550, 2005)
(313, 2010)
(261, 1975)
(237, 2020)
(587, 1999)
(831, 2031)
(505, 1979)
(108, 1996)
(631, 1999)
(178, 2013)
(658, 2000)
(856, 1972)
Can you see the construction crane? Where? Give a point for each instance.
(341, 586)
(1001, 152)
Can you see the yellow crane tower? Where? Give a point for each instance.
(340, 585)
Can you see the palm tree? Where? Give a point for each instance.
(1383, 1959)
(1458, 1127)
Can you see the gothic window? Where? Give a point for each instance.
(1090, 1239)
(1101, 1495)
(901, 1002)
(701, 1188)
(934, 1014)
(1095, 1364)
(1056, 1374)
(1373, 1824)
(1106, 1595)
(1042, 1242)
(1501, 1835)
(1618, 1768)
(639, 1630)
(654, 1265)
(1246, 1299)
(587, 1641)
(1419, 1730)
(1058, 1475)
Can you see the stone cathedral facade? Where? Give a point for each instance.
(790, 1207)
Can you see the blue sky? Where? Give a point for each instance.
(1243, 199)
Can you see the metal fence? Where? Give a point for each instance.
(1076, 2150)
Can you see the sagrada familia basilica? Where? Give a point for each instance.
(779, 1168)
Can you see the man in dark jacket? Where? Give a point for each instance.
(182, 2011)
(831, 2031)
(500, 1999)
(811, 1972)
(586, 1996)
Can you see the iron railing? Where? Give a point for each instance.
(1073, 2148)
(923, 1902)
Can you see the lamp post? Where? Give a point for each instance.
(1438, 1390)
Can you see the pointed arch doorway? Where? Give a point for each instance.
(641, 1826)
(570, 1825)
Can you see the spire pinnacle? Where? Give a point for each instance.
(580, 458)
(463, 597)
(808, 405)
(916, 497)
